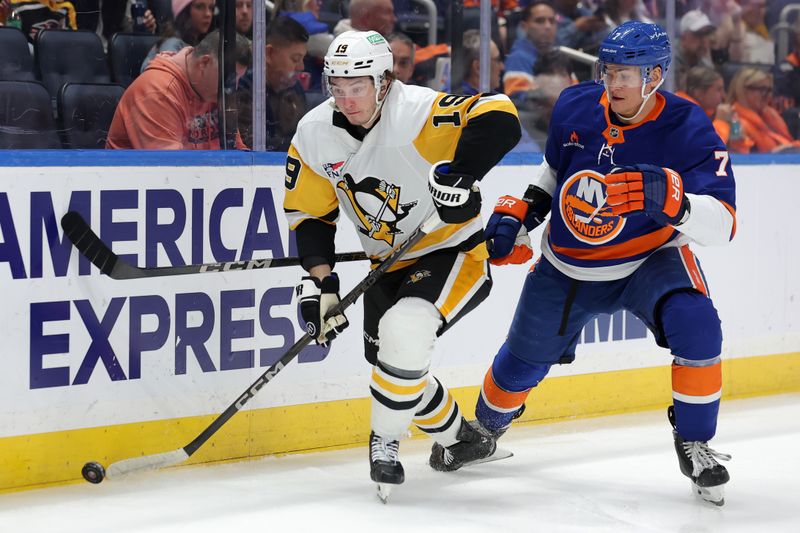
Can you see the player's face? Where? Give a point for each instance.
(624, 86)
(355, 98)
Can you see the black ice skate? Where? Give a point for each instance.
(384, 466)
(699, 463)
(497, 433)
(473, 446)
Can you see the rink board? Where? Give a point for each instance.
(97, 369)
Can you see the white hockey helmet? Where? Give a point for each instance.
(359, 53)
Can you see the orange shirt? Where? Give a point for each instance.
(161, 111)
(504, 5)
(722, 127)
(764, 131)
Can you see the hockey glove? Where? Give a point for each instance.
(506, 236)
(657, 192)
(455, 196)
(316, 299)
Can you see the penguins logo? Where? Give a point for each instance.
(376, 203)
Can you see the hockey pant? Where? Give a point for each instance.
(668, 292)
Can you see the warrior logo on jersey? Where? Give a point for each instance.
(584, 209)
(332, 169)
(376, 203)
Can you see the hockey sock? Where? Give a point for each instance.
(439, 415)
(395, 397)
(505, 388)
(693, 332)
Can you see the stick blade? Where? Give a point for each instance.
(88, 243)
(146, 462)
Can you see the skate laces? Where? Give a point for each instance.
(384, 450)
(702, 456)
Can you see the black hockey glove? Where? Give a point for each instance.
(455, 195)
(316, 299)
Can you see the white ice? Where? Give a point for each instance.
(615, 474)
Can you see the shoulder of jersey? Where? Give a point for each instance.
(576, 99)
(681, 109)
(407, 107)
(322, 113)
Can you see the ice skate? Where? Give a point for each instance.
(384, 466)
(699, 463)
(497, 433)
(474, 446)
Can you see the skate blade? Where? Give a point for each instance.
(498, 455)
(714, 495)
(384, 490)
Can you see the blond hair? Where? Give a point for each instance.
(743, 78)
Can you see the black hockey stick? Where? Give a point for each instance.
(94, 472)
(95, 250)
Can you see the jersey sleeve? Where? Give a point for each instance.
(473, 132)
(705, 167)
(312, 209)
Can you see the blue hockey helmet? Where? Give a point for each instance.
(635, 43)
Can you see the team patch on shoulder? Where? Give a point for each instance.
(584, 210)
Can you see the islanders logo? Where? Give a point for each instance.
(584, 210)
(376, 204)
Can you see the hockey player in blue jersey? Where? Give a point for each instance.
(631, 176)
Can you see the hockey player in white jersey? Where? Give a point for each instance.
(389, 155)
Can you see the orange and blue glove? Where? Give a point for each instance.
(506, 235)
(647, 189)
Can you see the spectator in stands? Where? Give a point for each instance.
(579, 27)
(758, 47)
(619, 11)
(539, 25)
(286, 100)
(787, 86)
(403, 52)
(193, 21)
(763, 128)
(694, 46)
(470, 78)
(173, 104)
(705, 87)
(306, 12)
(244, 18)
(37, 15)
(552, 74)
(727, 41)
(377, 15)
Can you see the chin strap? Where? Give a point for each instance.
(378, 106)
(646, 97)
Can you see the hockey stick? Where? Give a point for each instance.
(94, 472)
(95, 250)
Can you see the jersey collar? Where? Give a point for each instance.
(615, 134)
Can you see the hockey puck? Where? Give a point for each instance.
(93, 472)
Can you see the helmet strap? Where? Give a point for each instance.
(645, 98)
(378, 101)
